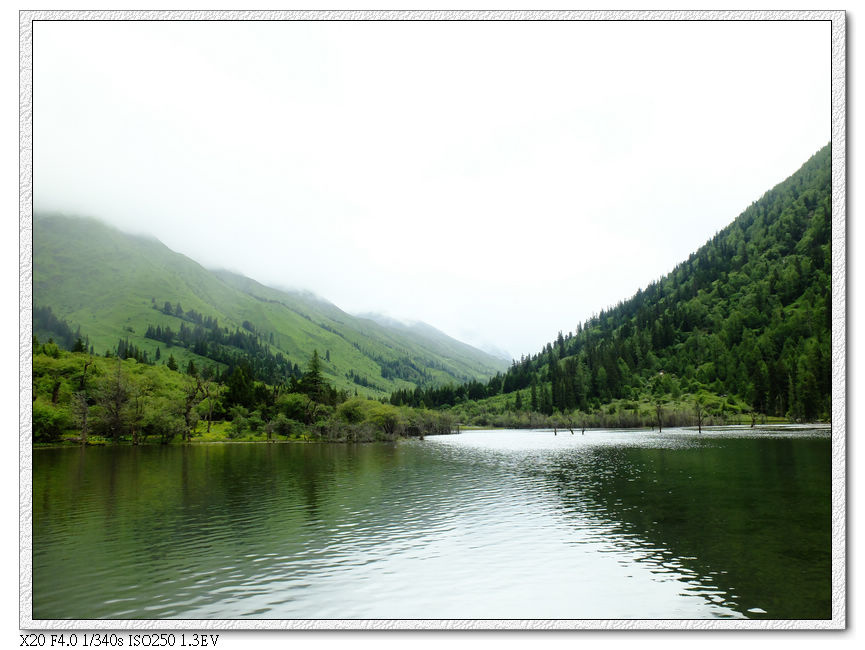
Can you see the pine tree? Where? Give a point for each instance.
(312, 383)
(546, 401)
(240, 389)
(172, 363)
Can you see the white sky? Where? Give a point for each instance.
(498, 180)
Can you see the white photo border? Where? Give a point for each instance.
(839, 332)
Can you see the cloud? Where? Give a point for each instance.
(503, 179)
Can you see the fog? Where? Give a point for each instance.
(501, 181)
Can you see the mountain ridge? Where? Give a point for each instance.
(422, 328)
(744, 322)
(115, 285)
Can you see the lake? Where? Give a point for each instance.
(732, 523)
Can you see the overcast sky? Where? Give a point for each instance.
(501, 181)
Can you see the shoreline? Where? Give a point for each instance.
(782, 426)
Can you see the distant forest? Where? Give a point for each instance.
(748, 314)
(743, 326)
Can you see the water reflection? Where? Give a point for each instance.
(481, 525)
(741, 517)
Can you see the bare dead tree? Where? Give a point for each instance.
(209, 391)
(699, 413)
(81, 412)
(83, 380)
(659, 411)
(136, 411)
(113, 396)
(191, 399)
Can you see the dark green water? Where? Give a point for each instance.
(487, 524)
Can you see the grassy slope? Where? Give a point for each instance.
(426, 345)
(103, 280)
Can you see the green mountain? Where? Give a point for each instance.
(745, 320)
(132, 295)
(434, 336)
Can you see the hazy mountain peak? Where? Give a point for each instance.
(119, 287)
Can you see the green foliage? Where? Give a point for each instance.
(293, 406)
(312, 384)
(114, 287)
(388, 418)
(48, 423)
(254, 422)
(164, 420)
(354, 410)
(239, 425)
(112, 394)
(240, 389)
(744, 322)
(125, 401)
(748, 315)
(283, 426)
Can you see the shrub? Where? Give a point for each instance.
(48, 422)
(238, 427)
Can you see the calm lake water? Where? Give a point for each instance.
(487, 524)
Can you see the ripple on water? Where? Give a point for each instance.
(486, 524)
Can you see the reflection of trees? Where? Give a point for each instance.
(750, 517)
(155, 516)
(747, 517)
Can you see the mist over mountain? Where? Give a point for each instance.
(745, 321)
(129, 291)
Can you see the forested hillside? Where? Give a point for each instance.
(747, 318)
(742, 327)
(133, 297)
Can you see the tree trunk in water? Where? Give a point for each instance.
(84, 429)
